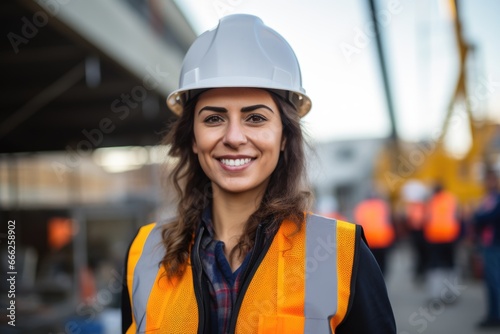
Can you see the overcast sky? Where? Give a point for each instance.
(337, 53)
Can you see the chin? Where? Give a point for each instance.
(240, 188)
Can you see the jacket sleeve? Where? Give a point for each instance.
(370, 310)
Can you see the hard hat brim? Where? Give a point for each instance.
(177, 99)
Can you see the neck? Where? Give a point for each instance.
(230, 213)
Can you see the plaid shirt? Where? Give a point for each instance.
(223, 284)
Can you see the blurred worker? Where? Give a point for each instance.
(414, 195)
(374, 215)
(487, 223)
(441, 231)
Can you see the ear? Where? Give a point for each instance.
(283, 143)
(195, 147)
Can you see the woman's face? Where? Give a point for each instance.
(238, 138)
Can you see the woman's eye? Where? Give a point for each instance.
(213, 119)
(255, 118)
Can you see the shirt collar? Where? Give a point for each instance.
(206, 221)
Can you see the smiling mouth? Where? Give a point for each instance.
(235, 162)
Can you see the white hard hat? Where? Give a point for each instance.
(240, 52)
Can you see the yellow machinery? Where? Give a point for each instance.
(430, 162)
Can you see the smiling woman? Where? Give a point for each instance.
(243, 254)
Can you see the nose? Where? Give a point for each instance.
(235, 135)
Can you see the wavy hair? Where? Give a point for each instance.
(286, 197)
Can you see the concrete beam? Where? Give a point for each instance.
(118, 32)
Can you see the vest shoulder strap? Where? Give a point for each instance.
(348, 238)
(152, 293)
(134, 255)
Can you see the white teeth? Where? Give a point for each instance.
(235, 162)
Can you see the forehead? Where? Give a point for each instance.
(235, 97)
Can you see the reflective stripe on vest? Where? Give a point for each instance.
(302, 285)
(151, 292)
(134, 256)
(321, 274)
(145, 273)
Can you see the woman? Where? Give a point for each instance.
(243, 255)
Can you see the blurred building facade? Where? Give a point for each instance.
(83, 108)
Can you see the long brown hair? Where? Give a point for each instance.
(286, 196)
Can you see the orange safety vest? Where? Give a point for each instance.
(415, 215)
(302, 284)
(442, 225)
(373, 215)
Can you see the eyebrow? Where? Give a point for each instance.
(244, 109)
(255, 107)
